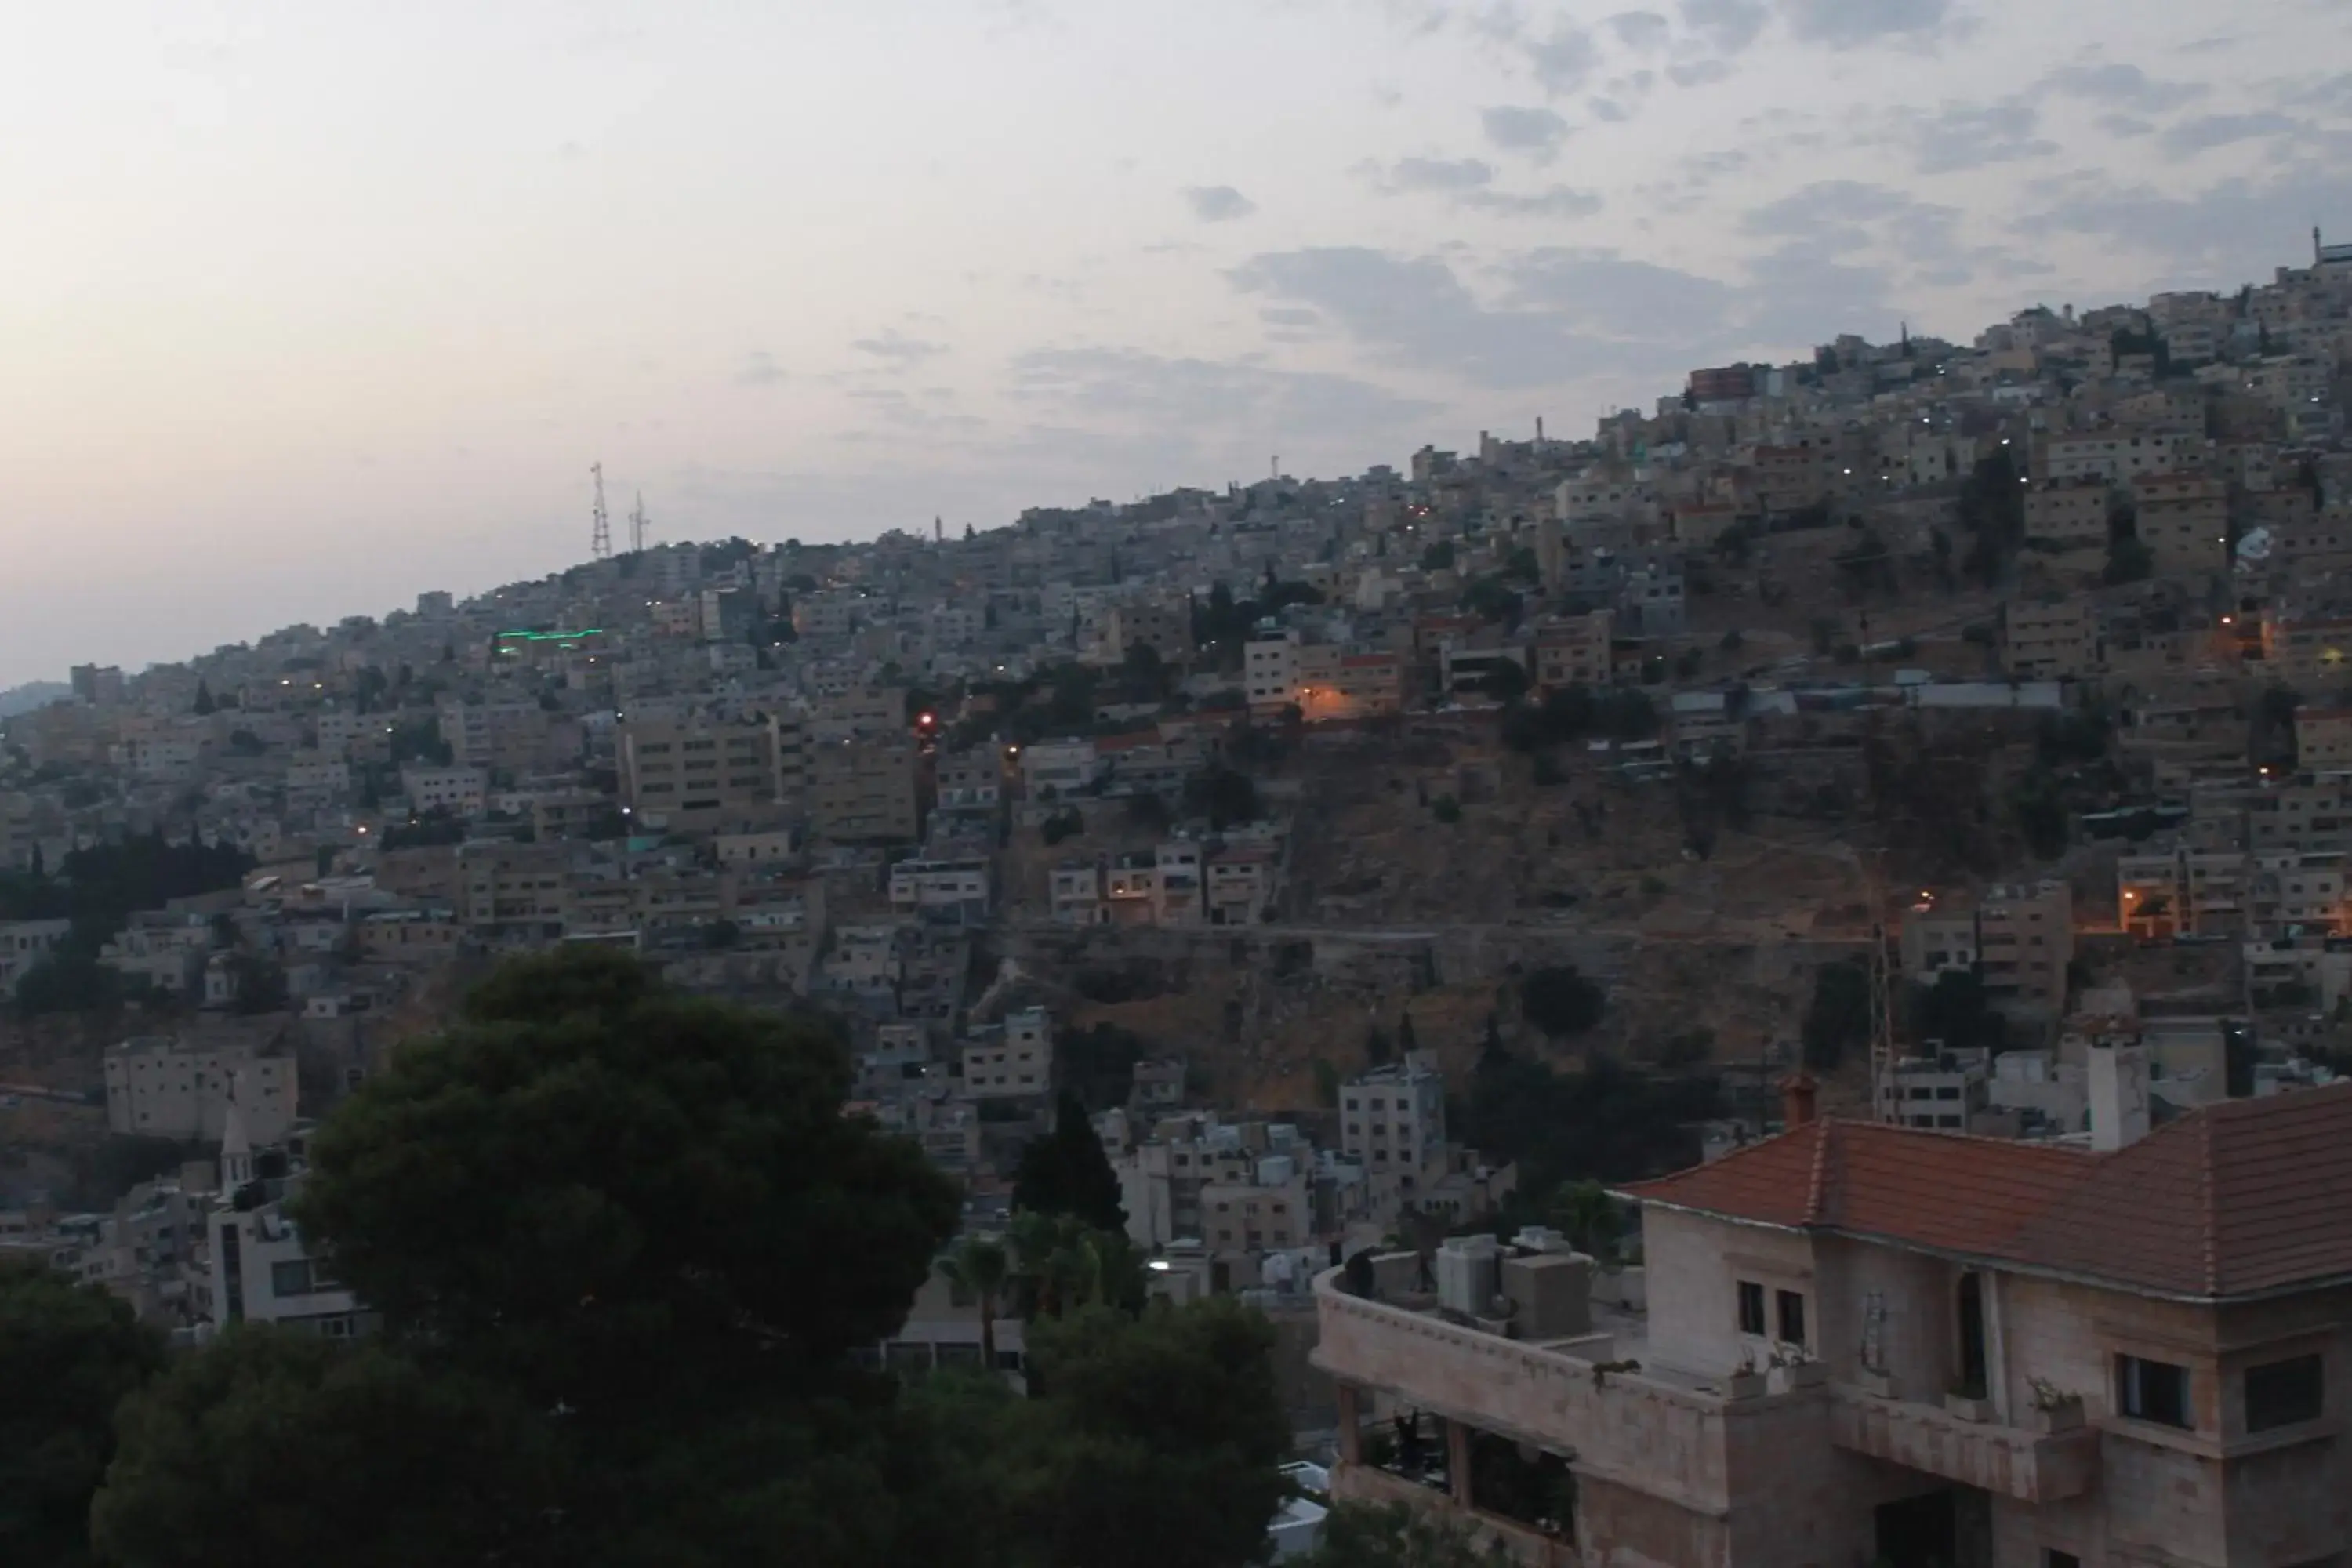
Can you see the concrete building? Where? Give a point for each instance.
(1013, 1060)
(183, 1087)
(2056, 641)
(459, 791)
(864, 791)
(2323, 739)
(1393, 1118)
(2073, 514)
(1573, 652)
(2184, 521)
(257, 1269)
(1868, 1344)
(692, 775)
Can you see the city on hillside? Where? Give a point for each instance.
(1770, 983)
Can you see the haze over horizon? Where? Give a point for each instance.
(330, 304)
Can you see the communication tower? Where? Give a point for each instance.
(600, 536)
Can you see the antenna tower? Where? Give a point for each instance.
(637, 523)
(1881, 990)
(600, 535)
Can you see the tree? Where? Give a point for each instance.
(1838, 1016)
(644, 1209)
(1399, 1535)
(1561, 1001)
(205, 705)
(279, 1450)
(1169, 1435)
(68, 1354)
(980, 1267)
(1954, 1010)
(1407, 1043)
(1065, 1172)
(1588, 1215)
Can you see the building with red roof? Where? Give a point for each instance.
(1856, 1342)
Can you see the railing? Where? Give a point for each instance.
(1662, 1440)
(1529, 1546)
(2030, 1465)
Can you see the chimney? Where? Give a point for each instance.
(1798, 1093)
(2117, 1086)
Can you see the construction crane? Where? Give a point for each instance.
(638, 520)
(600, 535)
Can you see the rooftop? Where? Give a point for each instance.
(2235, 1200)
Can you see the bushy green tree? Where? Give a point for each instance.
(68, 1354)
(278, 1449)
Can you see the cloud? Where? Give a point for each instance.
(2210, 239)
(1218, 203)
(1972, 135)
(1610, 110)
(2193, 136)
(1150, 393)
(2123, 86)
(1449, 175)
(1602, 292)
(1730, 25)
(898, 350)
(1851, 24)
(1533, 130)
(1565, 60)
(2128, 126)
(758, 368)
(1560, 201)
(1698, 73)
(1643, 30)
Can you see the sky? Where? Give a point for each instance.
(311, 305)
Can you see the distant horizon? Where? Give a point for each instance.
(619, 502)
(337, 306)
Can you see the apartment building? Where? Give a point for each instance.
(2025, 940)
(513, 893)
(2323, 739)
(1165, 627)
(1013, 1060)
(257, 1266)
(2117, 456)
(951, 887)
(1393, 1118)
(182, 1086)
(1052, 770)
(1574, 651)
(2184, 521)
(865, 790)
(459, 791)
(2019, 938)
(2164, 891)
(2074, 514)
(2304, 651)
(1856, 1342)
(2055, 641)
(693, 775)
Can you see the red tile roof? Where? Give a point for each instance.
(2233, 1200)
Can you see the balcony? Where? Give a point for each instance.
(2013, 1461)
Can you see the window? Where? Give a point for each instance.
(2284, 1392)
(1751, 1306)
(292, 1279)
(1792, 1318)
(2152, 1391)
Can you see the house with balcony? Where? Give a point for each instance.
(1856, 1342)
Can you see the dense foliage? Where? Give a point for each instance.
(627, 1251)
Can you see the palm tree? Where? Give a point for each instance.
(980, 1264)
(1588, 1214)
